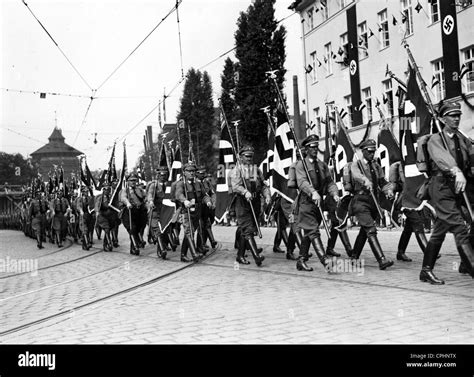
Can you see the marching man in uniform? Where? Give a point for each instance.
(449, 169)
(248, 185)
(134, 216)
(190, 196)
(312, 189)
(371, 179)
(155, 195)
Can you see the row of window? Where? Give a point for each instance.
(364, 33)
(366, 107)
(320, 12)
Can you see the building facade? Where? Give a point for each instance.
(348, 46)
(56, 152)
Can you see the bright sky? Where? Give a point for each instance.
(96, 36)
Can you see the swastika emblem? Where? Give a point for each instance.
(448, 24)
(353, 67)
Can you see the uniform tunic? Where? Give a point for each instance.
(155, 195)
(194, 190)
(137, 213)
(58, 208)
(308, 216)
(37, 214)
(255, 185)
(447, 204)
(362, 205)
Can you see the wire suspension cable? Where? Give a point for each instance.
(136, 48)
(59, 48)
(40, 92)
(83, 120)
(179, 39)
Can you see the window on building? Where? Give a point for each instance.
(407, 11)
(367, 101)
(348, 109)
(387, 98)
(313, 62)
(328, 58)
(344, 40)
(383, 29)
(434, 11)
(316, 122)
(310, 17)
(363, 41)
(324, 10)
(438, 72)
(468, 62)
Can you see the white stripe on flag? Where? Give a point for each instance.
(412, 171)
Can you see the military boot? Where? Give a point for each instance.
(359, 244)
(402, 246)
(467, 257)
(378, 253)
(331, 243)
(254, 250)
(39, 241)
(241, 251)
(192, 248)
(346, 243)
(184, 251)
(429, 260)
(303, 257)
(210, 234)
(319, 249)
(160, 247)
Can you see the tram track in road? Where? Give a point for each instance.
(148, 282)
(323, 275)
(99, 251)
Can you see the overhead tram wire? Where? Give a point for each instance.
(42, 92)
(179, 39)
(182, 78)
(136, 48)
(28, 137)
(56, 44)
(84, 120)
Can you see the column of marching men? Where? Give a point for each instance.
(49, 214)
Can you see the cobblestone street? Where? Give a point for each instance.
(219, 302)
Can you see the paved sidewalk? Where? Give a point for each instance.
(220, 302)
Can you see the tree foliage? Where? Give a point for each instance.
(13, 164)
(228, 84)
(260, 47)
(197, 112)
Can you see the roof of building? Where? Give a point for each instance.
(56, 146)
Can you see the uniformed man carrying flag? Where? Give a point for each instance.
(248, 185)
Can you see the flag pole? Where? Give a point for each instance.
(240, 168)
(433, 113)
(282, 103)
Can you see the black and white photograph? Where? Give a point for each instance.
(260, 173)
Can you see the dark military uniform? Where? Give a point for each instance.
(448, 170)
(59, 207)
(105, 216)
(190, 197)
(155, 195)
(414, 222)
(308, 215)
(248, 185)
(207, 213)
(134, 217)
(283, 210)
(37, 214)
(85, 208)
(363, 205)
